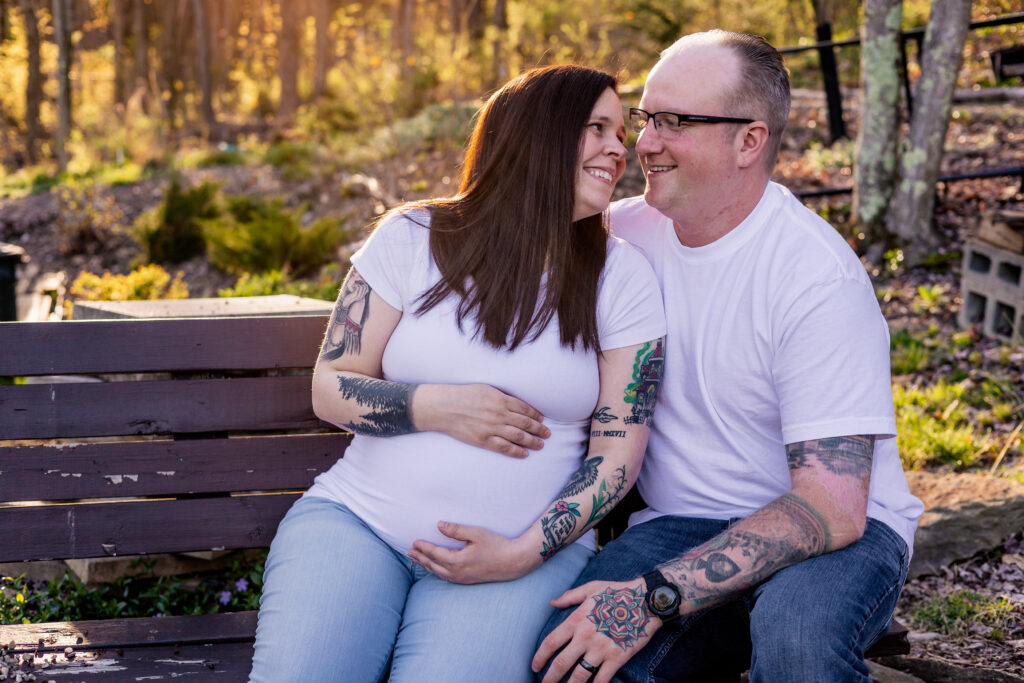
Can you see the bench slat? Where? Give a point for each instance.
(105, 633)
(57, 532)
(46, 411)
(101, 346)
(220, 663)
(154, 468)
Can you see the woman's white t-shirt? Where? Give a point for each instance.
(401, 486)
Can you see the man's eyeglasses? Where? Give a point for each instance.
(670, 124)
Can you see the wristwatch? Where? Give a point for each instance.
(662, 597)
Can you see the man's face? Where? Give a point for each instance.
(688, 176)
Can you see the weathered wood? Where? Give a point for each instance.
(140, 527)
(50, 411)
(219, 663)
(229, 627)
(103, 346)
(166, 468)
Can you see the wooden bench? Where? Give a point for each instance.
(214, 438)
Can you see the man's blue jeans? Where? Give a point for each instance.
(811, 621)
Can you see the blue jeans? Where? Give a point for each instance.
(811, 621)
(339, 604)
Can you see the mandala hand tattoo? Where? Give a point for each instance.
(620, 614)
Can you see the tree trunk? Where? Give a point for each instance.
(62, 36)
(501, 24)
(875, 169)
(117, 26)
(288, 44)
(910, 213)
(34, 83)
(324, 57)
(203, 65)
(140, 38)
(401, 32)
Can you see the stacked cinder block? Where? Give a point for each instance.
(992, 281)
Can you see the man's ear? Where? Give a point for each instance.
(752, 144)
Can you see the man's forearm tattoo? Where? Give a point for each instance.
(621, 615)
(842, 455)
(705, 574)
(563, 518)
(642, 392)
(390, 404)
(346, 329)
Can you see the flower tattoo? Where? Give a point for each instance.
(620, 614)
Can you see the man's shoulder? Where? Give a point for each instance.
(635, 221)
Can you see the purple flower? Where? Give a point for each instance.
(241, 585)
(225, 597)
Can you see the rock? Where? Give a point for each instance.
(883, 674)
(964, 514)
(935, 671)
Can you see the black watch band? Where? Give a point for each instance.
(662, 597)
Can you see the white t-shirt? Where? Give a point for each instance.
(775, 336)
(401, 486)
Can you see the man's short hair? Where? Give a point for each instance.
(763, 90)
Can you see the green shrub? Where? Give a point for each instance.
(144, 283)
(324, 287)
(87, 221)
(295, 159)
(257, 236)
(68, 599)
(173, 231)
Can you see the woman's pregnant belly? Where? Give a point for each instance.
(403, 486)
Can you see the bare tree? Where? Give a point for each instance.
(501, 24)
(288, 47)
(34, 83)
(910, 212)
(203, 65)
(324, 55)
(118, 28)
(875, 170)
(62, 36)
(140, 39)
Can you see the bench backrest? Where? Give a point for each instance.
(156, 435)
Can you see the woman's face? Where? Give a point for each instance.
(602, 156)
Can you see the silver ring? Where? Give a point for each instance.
(587, 666)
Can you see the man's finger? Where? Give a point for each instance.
(573, 596)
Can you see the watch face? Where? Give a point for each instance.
(664, 599)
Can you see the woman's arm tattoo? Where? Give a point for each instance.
(642, 392)
(350, 312)
(390, 405)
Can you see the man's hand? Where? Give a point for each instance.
(610, 625)
(487, 556)
(480, 415)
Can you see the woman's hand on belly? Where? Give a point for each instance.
(480, 415)
(487, 556)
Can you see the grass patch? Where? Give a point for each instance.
(144, 283)
(956, 613)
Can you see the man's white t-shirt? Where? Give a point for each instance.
(401, 486)
(775, 336)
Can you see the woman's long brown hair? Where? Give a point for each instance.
(507, 242)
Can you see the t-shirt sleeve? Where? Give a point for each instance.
(831, 367)
(388, 257)
(629, 306)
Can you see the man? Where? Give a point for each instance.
(780, 517)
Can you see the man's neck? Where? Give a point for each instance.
(711, 226)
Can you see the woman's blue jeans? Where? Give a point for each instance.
(811, 621)
(339, 604)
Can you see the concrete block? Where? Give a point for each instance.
(992, 289)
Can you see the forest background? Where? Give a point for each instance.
(239, 147)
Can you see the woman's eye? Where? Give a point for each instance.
(598, 127)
